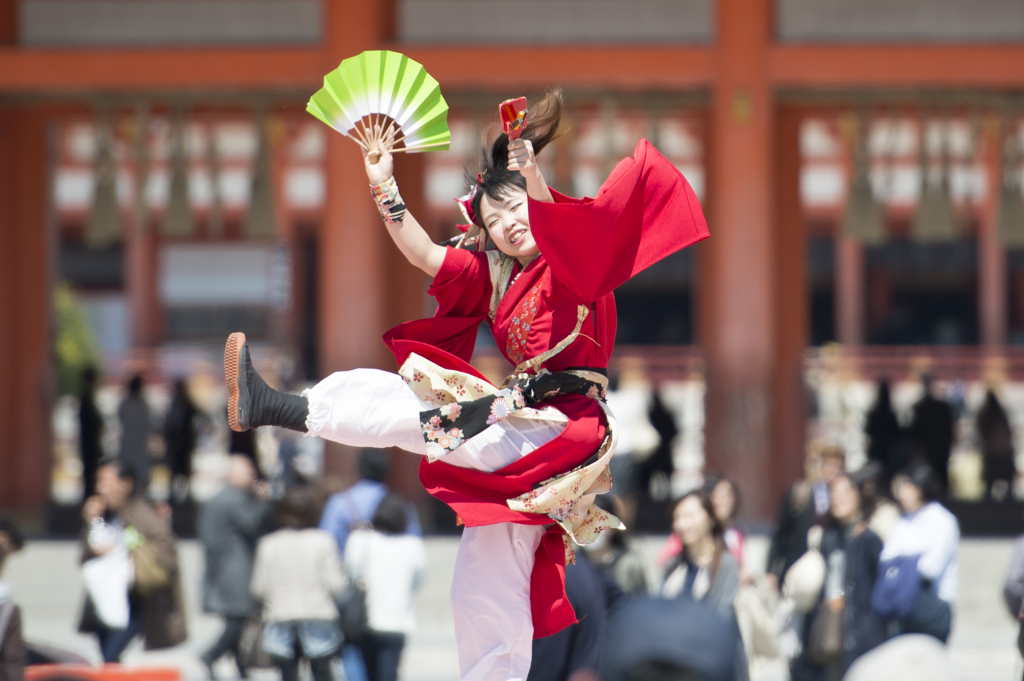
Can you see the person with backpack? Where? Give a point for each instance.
(352, 509)
(391, 563)
(917, 574)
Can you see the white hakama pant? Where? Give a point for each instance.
(490, 593)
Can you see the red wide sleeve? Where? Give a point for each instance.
(645, 211)
(462, 288)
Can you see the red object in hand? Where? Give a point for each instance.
(513, 117)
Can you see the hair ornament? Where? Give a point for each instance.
(466, 202)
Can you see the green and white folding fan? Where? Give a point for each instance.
(379, 94)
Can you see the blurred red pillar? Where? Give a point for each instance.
(142, 272)
(350, 250)
(792, 304)
(850, 275)
(361, 272)
(8, 22)
(754, 308)
(26, 379)
(993, 295)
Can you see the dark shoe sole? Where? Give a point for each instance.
(234, 361)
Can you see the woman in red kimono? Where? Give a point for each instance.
(522, 462)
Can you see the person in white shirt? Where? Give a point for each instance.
(392, 564)
(931, 532)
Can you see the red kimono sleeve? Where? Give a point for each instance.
(462, 288)
(643, 212)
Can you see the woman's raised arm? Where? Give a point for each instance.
(410, 237)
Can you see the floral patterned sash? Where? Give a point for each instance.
(448, 426)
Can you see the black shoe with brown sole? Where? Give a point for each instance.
(236, 355)
(251, 402)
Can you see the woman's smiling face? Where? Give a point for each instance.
(507, 221)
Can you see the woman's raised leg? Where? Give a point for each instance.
(366, 408)
(361, 408)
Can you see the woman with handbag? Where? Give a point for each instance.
(391, 565)
(843, 626)
(296, 575)
(122, 526)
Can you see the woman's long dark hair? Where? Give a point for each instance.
(703, 495)
(497, 180)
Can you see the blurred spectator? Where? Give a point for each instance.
(13, 653)
(297, 573)
(90, 431)
(1013, 586)
(883, 432)
(356, 505)
(804, 506)
(904, 658)
(659, 465)
(1013, 590)
(725, 498)
(136, 426)
(289, 457)
(930, 533)
(851, 552)
(880, 512)
(117, 518)
(629, 398)
(930, 433)
(575, 652)
(392, 564)
(245, 443)
(180, 435)
(610, 554)
(670, 640)
(229, 526)
(766, 622)
(352, 508)
(705, 570)
(996, 438)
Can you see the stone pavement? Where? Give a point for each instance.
(49, 587)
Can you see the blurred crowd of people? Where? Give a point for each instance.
(853, 576)
(305, 576)
(930, 433)
(860, 577)
(855, 584)
(179, 429)
(848, 568)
